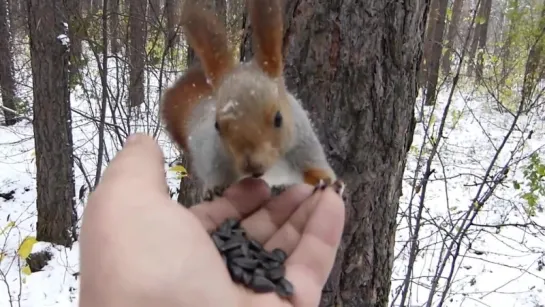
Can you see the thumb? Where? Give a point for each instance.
(137, 170)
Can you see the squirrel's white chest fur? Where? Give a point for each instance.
(282, 173)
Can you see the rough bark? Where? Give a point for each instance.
(52, 122)
(171, 8)
(432, 78)
(354, 66)
(137, 56)
(483, 38)
(451, 38)
(114, 25)
(7, 82)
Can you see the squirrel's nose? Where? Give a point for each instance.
(254, 168)
(257, 175)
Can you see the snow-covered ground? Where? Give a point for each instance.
(504, 274)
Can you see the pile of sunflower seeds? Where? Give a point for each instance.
(249, 263)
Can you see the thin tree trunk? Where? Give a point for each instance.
(104, 84)
(483, 38)
(137, 56)
(114, 25)
(476, 36)
(428, 41)
(452, 35)
(356, 75)
(7, 81)
(432, 78)
(155, 12)
(75, 32)
(171, 34)
(52, 122)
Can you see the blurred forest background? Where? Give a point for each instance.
(431, 110)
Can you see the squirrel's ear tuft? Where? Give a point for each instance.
(268, 31)
(208, 38)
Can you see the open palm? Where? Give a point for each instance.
(140, 248)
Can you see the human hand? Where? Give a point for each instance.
(140, 248)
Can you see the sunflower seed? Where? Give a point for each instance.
(232, 223)
(284, 288)
(256, 246)
(261, 284)
(279, 254)
(246, 263)
(229, 245)
(235, 253)
(217, 240)
(276, 273)
(269, 265)
(259, 272)
(236, 272)
(246, 278)
(245, 250)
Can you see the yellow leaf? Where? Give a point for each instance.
(33, 153)
(26, 246)
(2, 256)
(179, 169)
(26, 270)
(8, 226)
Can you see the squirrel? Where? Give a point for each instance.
(236, 120)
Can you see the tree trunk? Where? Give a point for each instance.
(356, 75)
(483, 37)
(475, 39)
(155, 12)
(52, 122)
(7, 82)
(428, 41)
(76, 32)
(453, 30)
(171, 8)
(434, 59)
(114, 25)
(137, 55)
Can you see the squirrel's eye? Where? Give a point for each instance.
(278, 120)
(216, 126)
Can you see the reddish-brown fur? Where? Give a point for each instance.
(313, 176)
(179, 101)
(268, 35)
(209, 40)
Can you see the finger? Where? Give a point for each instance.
(134, 172)
(264, 223)
(310, 264)
(238, 201)
(289, 232)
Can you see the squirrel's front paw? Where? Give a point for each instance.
(278, 189)
(338, 186)
(213, 193)
(321, 179)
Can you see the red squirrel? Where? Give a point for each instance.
(236, 120)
